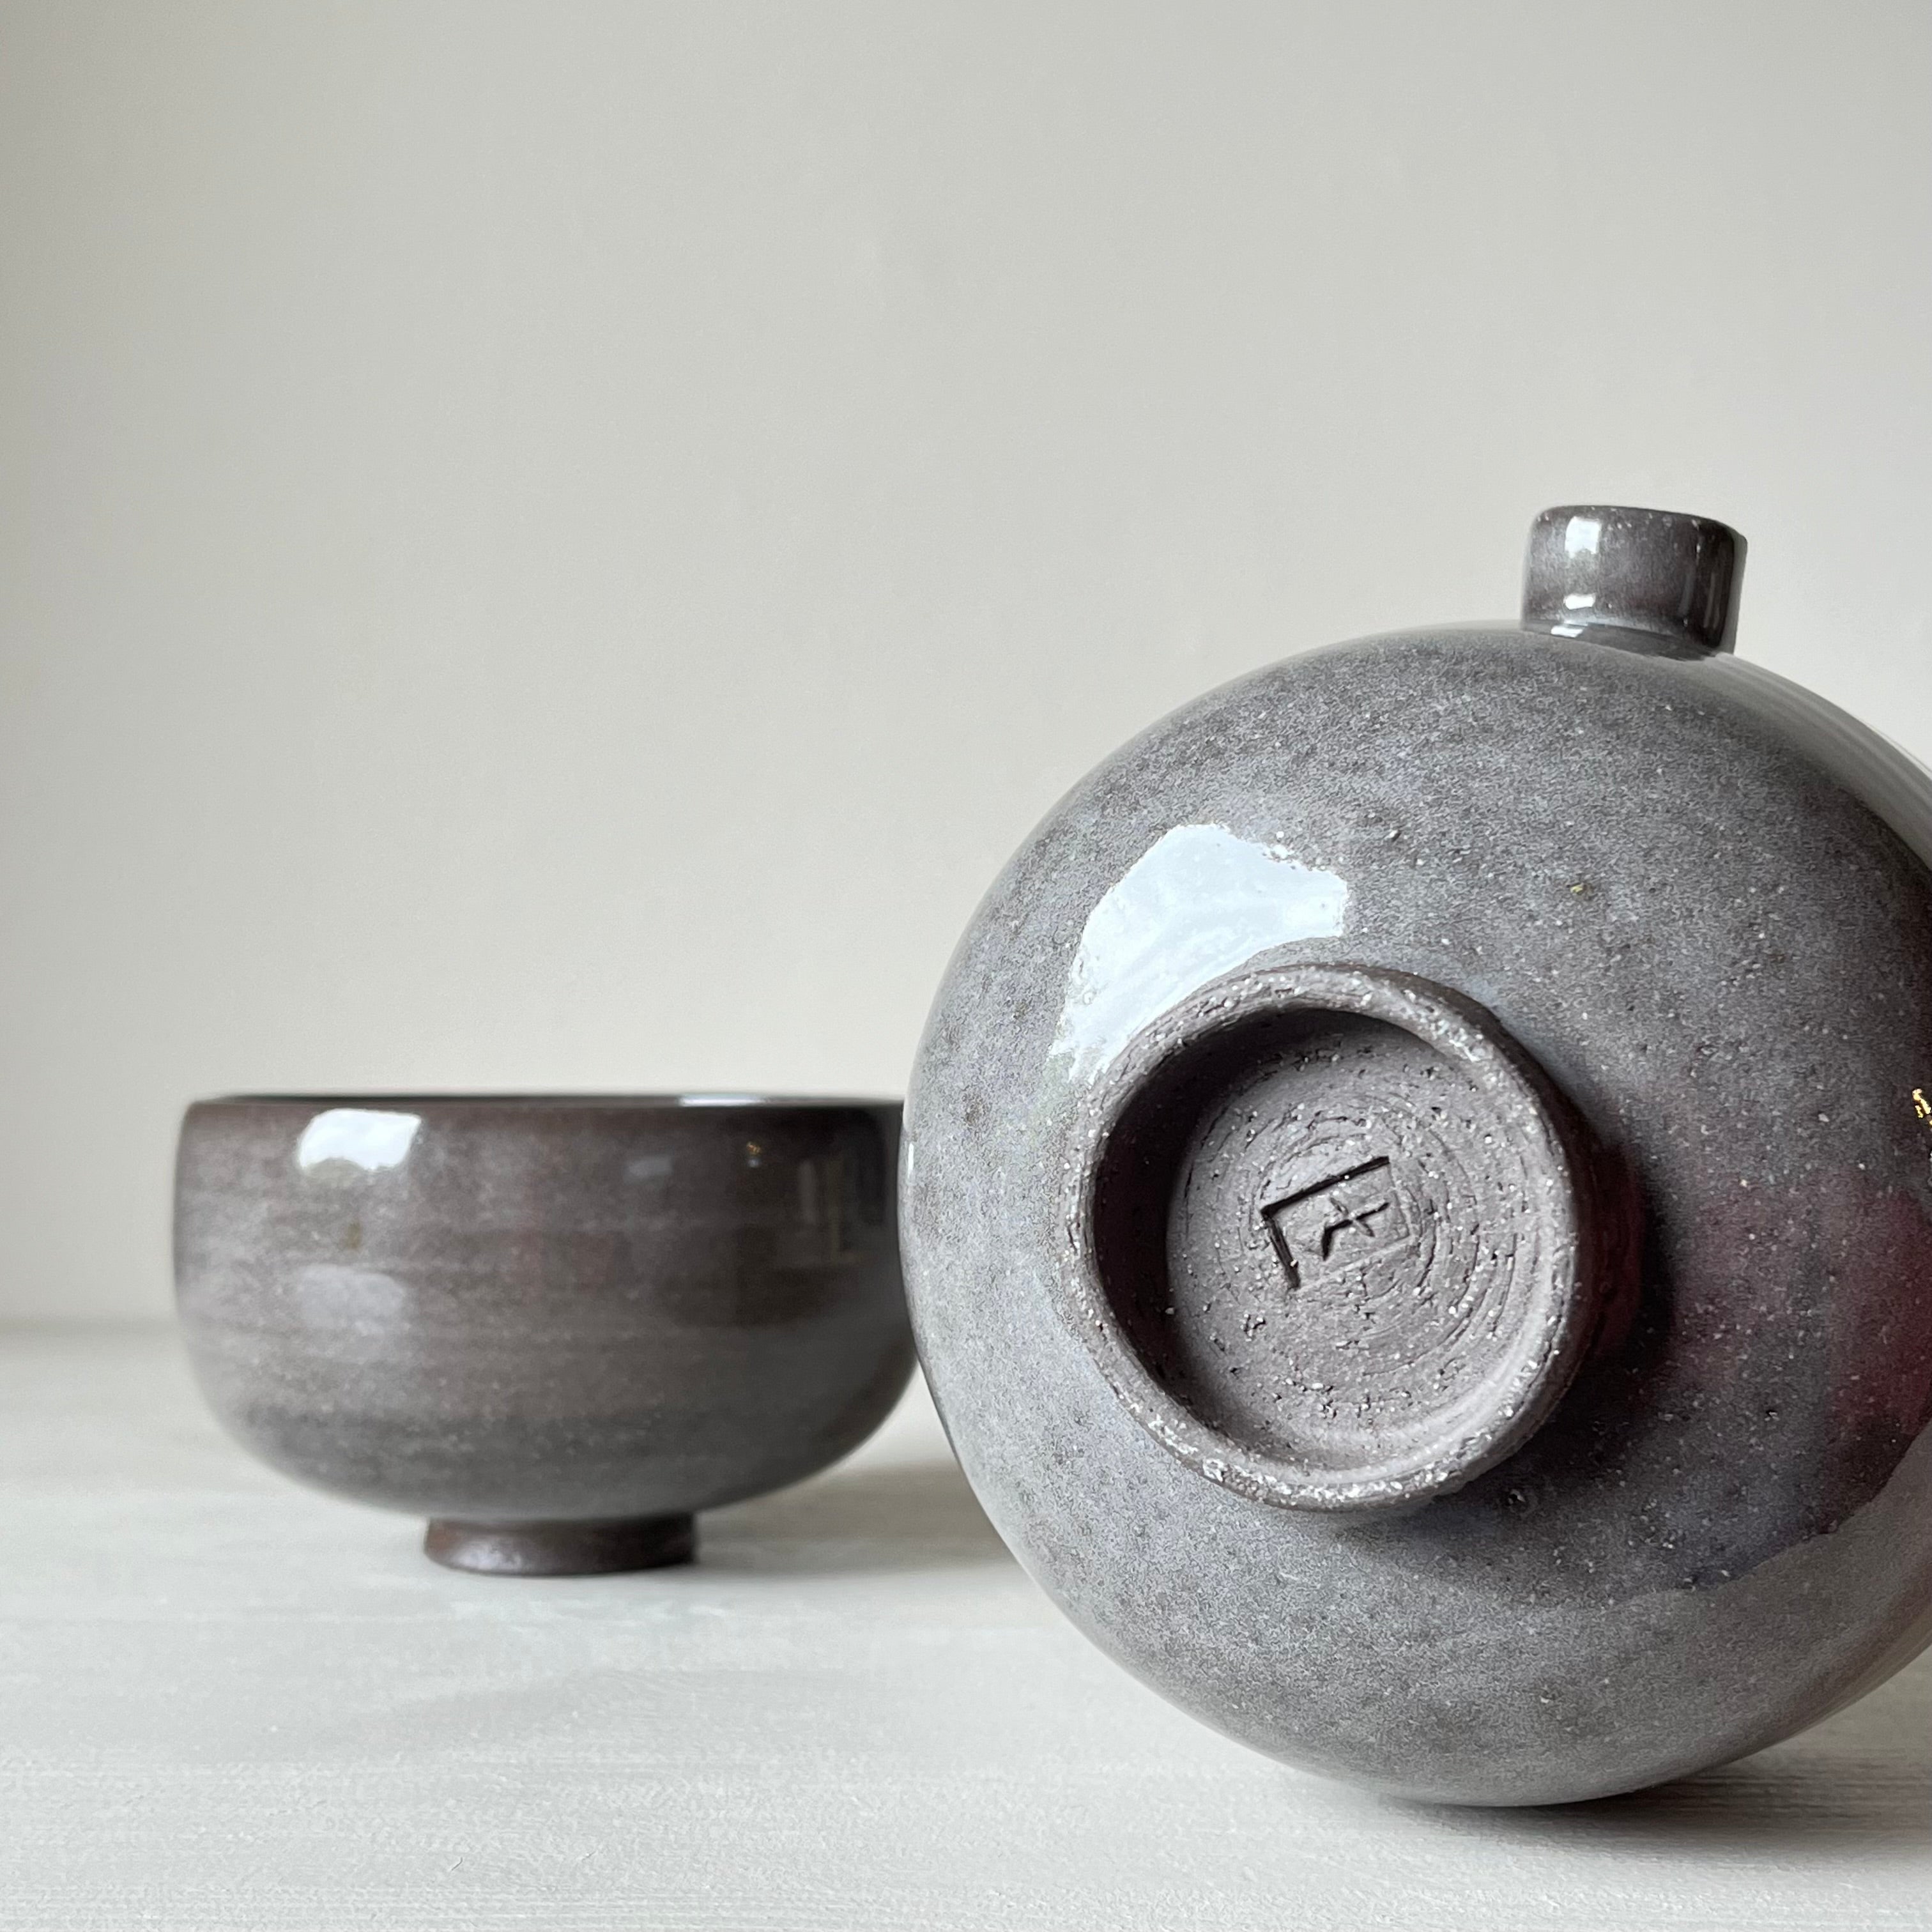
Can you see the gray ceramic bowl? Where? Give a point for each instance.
(1418, 1193)
(556, 1327)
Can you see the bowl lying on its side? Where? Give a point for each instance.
(556, 1326)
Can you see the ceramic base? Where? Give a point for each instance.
(562, 1549)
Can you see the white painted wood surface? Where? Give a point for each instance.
(227, 1703)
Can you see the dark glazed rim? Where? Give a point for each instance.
(1662, 573)
(1570, 1297)
(696, 1102)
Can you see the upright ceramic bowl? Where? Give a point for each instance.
(557, 1327)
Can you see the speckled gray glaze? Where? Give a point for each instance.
(558, 1327)
(1693, 903)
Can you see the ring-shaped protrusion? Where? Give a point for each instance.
(1334, 1240)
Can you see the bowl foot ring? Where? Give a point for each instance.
(589, 1549)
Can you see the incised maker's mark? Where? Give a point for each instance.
(1347, 1219)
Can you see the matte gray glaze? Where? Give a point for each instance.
(1509, 1440)
(558, 1327)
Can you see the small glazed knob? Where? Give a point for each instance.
(1674, 576)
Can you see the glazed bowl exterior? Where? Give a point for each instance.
(1690, 904)
(539, 1321)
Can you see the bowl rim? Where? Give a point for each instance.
(697, 1101)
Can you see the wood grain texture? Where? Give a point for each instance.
(225, 1703)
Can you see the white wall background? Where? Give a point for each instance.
(561, 544)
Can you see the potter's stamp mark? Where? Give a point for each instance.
(1347, 1219)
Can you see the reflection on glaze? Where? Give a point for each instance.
(329, 1296)
(369, 1139)
(1197, 904)
(718, 1100)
